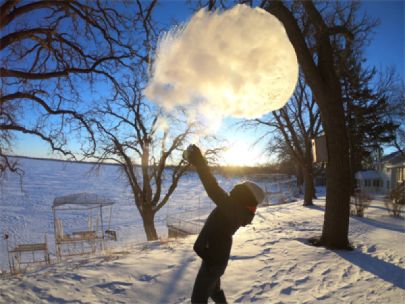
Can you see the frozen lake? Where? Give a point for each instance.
(26, 209)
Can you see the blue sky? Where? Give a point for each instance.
(388, 46)
(387, 49)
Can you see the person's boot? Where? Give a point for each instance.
(219, 297)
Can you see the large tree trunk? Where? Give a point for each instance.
(309, 185)
(148, 218)
(321, 77)
(336, 224)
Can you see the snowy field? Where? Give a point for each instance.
(270, 263)
(270, 260)
(26, 214)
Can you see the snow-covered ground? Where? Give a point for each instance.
(270, 263)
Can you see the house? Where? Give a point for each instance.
(369, 181)
(392, 170)
(389, 171)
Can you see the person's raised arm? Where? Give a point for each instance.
(214, 191)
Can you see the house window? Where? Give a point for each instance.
(388, 185)
(367, 183)
(400, 174)
(376, 183)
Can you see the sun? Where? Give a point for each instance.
(239, 154)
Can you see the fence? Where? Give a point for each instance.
(278, 189)
(281, 191)
(187, 222)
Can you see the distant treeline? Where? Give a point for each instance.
(232, 171)
(223, 170)
(62, 160)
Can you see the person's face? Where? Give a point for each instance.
(247, 217)
(244, 199)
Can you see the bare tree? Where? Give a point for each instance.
(317, 62)
(297, 124)
(144, 141)
(54, 54)
(57, 67)
(147, 145)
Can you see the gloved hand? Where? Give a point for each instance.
(194, 156)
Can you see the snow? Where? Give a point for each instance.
(270, 263)
(369, 174)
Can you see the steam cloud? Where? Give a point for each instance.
(237, 63)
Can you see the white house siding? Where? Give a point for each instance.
(370, 181)
(386, 177)
(389, 171)
(399, 174)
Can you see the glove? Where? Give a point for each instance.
(194, 156)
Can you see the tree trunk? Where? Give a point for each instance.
(309, 185)
(148, 218)
(337, 210)
(300, 178)
(322, 79)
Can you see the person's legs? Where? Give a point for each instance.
(206, 282)
(218, 295)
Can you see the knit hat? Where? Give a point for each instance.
(257, 192)
(248, 193)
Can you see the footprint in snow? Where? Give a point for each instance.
(147, 278)
(325, 272)
(257, 290)
(72, 276)
(115, 287)
(287, 291)
(301, 281)
(182, 300)
(372, 249)
(266, 251)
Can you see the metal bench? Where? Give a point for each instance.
(22, 250)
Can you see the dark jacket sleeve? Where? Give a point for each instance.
(220, 197)
(214, 191)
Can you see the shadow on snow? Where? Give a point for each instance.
(386, 271)
(382, 225)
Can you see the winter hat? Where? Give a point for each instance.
(257, 192)
(248, 193)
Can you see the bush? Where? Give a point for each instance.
(360, 201)
(396, 200)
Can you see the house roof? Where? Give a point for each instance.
(394, 158)
(369, 174)
(82, 200)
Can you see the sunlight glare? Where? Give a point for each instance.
(239, 154)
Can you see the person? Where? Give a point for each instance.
(213, 244)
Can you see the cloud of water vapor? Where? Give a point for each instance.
(237, 63)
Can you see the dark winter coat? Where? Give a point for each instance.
(214, 242)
